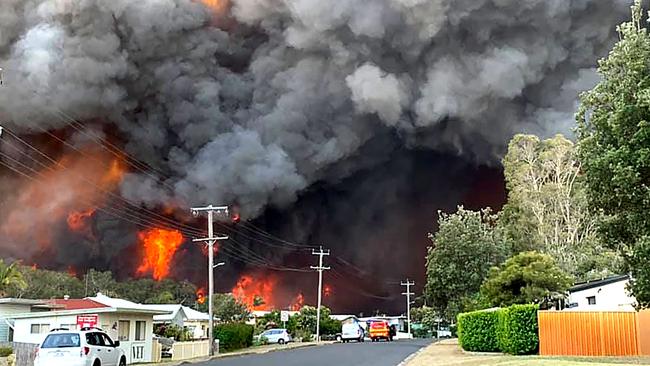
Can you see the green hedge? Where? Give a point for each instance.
(518, 331)
(512, 330)
(6, 351)
(477, 331)
(234, 336)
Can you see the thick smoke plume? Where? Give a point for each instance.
(260, 111)
(255, 102)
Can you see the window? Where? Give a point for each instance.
(108, 342)
(591, 300)
(69, 326)
(61, 340)
(40, 328)
(140, 330)
(93, 339)
(124, 330)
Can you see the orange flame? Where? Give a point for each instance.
(327, 290)
(159, 246)
(216, 5)
(298, 303)
(251, 290)
(79, 221)
(63, 192)
(72, 271)
(200, 295)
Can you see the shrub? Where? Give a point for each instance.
(477, 331)
(234, 336)
(511, 330)
(6, 351)
(518, 330)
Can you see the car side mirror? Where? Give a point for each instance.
(116, 344)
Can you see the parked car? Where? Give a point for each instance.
(352, 332)
(332, 337)
(280, 336)
(380, 330)
(87, 347)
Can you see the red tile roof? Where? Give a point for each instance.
(76, 304)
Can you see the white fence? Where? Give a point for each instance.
(188, 350)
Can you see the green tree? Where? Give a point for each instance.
(10, 278)
(614, 145)
(228, 309)
(426, 316)
(526, 278)
(464, 249)
(44, 284)
(547, 208)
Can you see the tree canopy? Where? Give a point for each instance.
(547, 208)
(614, 146)
(526, 278)
(463, 250)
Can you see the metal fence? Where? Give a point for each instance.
(568, 333)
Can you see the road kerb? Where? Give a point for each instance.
(238, 354)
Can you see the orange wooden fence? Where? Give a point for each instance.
(568, 333)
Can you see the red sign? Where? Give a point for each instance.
(87, 321)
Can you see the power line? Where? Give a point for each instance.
(152, 215)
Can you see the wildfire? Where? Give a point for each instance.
(256, 293)
(327, 290)
(216, 5)
(215, 249)
(72, 271)
(200, 296)
(298, 303)
(159, 247)
(63, 192)
(79, 221)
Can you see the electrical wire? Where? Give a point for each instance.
(159, 219)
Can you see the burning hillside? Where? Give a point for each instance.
(346, 126)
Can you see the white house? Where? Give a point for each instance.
(195, 321)
(128, 322)
(10, 307)
(609, 294)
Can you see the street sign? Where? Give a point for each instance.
(284, 316)
(87, 321)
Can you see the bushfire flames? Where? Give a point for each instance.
(159, 247)
(259, 293)
(200, 296)
(298, 303)
(80, 221)
(67, 191)
(256, 293)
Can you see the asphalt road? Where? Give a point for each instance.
(352, 354)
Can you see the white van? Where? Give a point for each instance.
(352, 332)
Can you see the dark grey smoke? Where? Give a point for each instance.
(295, 88)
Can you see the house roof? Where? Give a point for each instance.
(195, 315)
(171, 311)
(14, 301)
(76, 304)
(599, 283)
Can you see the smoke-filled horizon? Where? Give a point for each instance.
(255, 102)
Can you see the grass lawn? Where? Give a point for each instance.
(448, 353)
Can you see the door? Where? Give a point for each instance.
(112, 352)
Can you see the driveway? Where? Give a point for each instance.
(349, 354)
